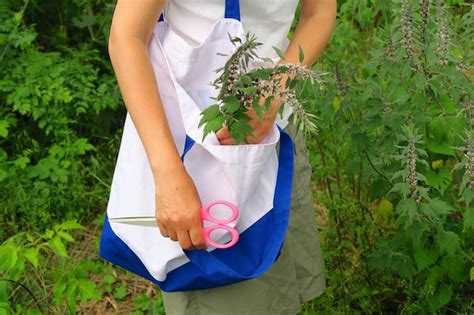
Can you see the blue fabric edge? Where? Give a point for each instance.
(110, 243)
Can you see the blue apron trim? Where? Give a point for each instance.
(221, 266)
(232, 9)
(188, 144)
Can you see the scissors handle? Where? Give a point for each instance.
(206, 215)
(220, 224)
(233, 232)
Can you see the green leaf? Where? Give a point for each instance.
(246, 80)
(439, 180)
(8, 258)
(231, 105)
(251, 90)
(213, 125)
(448, 104)
(4, 128)
(441, 148)
(57, 245)
(87, 290)
(31, 254)
(456, 268)
(468, 220)
(209, 113)
(440, 297)
(109, 279)
(240, 130)
(66, 236)
(58, 292)
(448, 242)
(71, 225)
(258, 109)
(121, 292)
(82, 145)
(300, 54)
(425, 258)
(279, 53)
(440, 207)
(71, 297)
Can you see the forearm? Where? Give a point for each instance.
(312, 34)
(313, 31)
(138, 85)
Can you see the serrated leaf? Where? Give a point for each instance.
(231, 105)
(120, 292)
(468, 221)
(57, 245)
(448, 104)
(240, 130)
(71, 225)
(440, 207)
(425, 258)
(251, 90)
(109, 279)
(87, 290)
(441, 148)
(456, 268)
(246, 80)
(448, 242)
(71, 297)
(66, 236)
(209, 113)
(8, 257)
(31, 254)
(4, 128)
(440, 297)
(213, 125)
(258, 109)
(439, 180)
(58, 292)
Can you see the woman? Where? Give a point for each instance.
(296, 276)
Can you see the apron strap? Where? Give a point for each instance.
(232, 9)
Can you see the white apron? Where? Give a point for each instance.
(256, 178)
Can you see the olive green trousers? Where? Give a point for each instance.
(296, 277)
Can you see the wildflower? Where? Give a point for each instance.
(424, 13)
(407, 30)
(411, 164)
(390, 49)
(443, 35)
(341, 85)
(469, 146)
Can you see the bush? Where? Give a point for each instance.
(395, 157)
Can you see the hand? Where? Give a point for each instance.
(178, 209)
(260, 129)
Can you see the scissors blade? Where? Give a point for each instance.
(141, 221)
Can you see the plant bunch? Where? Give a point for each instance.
(241, 89)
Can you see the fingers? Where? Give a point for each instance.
(223, 133)
(227, 141)
(172, 234)
(163, 229)
(184, 239)
(197, 237)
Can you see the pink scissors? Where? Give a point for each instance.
(219, 224)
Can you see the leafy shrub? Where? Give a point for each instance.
(56, 115)
(395, 155)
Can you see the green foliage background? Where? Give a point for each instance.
(392, 163)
